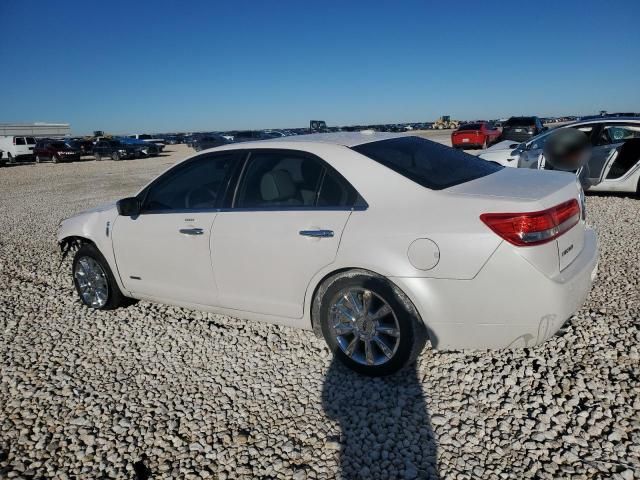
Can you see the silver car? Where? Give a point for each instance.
(615, 159)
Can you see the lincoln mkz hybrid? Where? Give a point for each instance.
(377, 242)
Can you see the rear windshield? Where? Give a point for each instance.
(430, 164)
(520, 122)
(470, 126)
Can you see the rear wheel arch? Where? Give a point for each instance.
(323, 284)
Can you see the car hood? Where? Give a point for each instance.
(98, 209)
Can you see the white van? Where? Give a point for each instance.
(17, 147)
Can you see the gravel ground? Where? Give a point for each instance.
(172, 393)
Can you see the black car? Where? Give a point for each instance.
(84, 147)
(208, 141)
(115, 150)
(521, 129)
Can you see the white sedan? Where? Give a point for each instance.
(378, 242)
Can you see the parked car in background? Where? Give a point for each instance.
(115, 150)
(55, 151)
(2, 158)
(83, 146)
(149, 139)
(17, 147)
(301, 238)
(474, 135)
(614, 165)
(209, 141)
(521, 129)
(146, 149)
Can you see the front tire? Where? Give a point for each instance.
(368, 323)
(115, 156)
(55, 158)
(94, 281)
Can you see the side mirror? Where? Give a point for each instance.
(128, 207)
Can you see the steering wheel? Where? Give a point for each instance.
(207, 196)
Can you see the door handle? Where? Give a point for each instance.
(191, 231)
(317, 233)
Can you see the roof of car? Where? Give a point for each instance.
(605, 119)
(347, 139)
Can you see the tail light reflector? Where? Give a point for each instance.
(534, 228)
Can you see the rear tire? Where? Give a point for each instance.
(97, 157)
(369, 323)
(485, 143)
(55, 158)
(10, 159)
(38, 159)
(94, 281)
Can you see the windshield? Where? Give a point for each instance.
(430, 164)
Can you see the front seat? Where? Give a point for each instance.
(278, 187)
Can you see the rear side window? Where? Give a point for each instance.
(289, 179)
(430, 164)
(335, 191)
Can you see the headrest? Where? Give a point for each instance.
(276, 186)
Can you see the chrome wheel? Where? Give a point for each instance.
(364, 326)
(91, 280)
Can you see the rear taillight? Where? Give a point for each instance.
(534, 228)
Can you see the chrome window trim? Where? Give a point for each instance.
(359, 208)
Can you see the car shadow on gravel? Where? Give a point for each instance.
(385, 426)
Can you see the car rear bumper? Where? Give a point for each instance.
(510, 303)
(466, 145)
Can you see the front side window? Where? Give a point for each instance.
(430, 164)
(290, 179)
(31, 141)
(197, 185)
(20, 141)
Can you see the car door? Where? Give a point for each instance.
(626, 138)
(163, 253)
(603, 152)
(283, 225)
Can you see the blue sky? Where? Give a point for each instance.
(167, 65)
